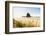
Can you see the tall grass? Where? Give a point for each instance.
(26, 22)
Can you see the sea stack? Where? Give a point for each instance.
(28, 15)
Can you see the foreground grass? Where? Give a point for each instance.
(26, 23)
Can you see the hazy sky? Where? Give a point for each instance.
(22, 11)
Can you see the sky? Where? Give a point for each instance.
(22, 11)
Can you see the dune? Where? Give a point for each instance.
(26, 22)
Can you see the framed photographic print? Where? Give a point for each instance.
(24, 17)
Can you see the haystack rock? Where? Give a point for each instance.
(27, 15)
